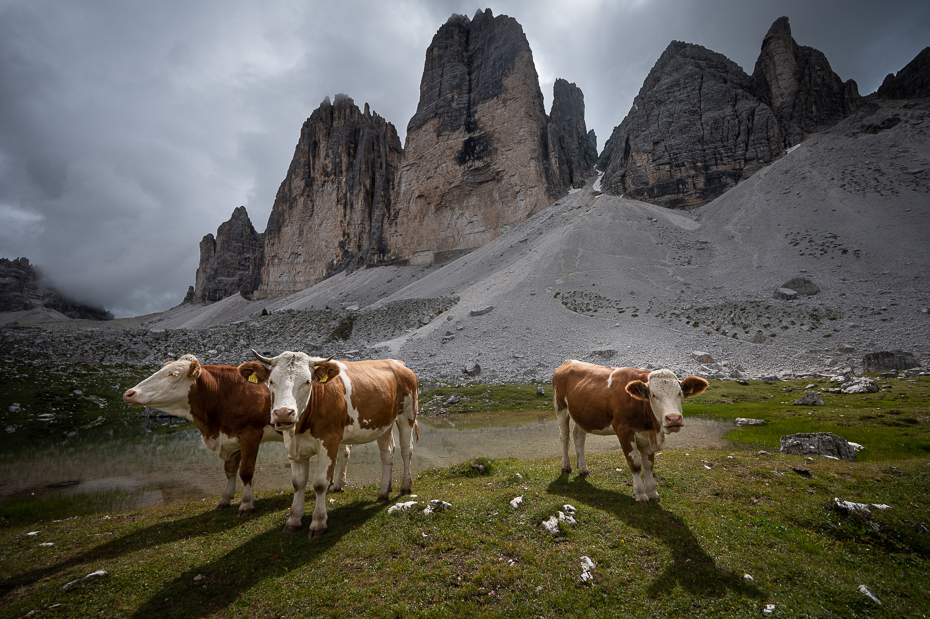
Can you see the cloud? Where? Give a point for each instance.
(130, 130)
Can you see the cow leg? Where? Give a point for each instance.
(635, 462)
(231, 467)
(325, 463)
(648, 463)
(580, 435)
(300, 471)
(564, 418)
(406, 427)
(249, 454)
(386, 446)
(342, 464)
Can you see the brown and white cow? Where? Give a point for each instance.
(639, 406)
(320, 405)
(230, 412)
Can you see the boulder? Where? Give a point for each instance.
(801, 285)
(888, 360)
(817, 444)
(863, 384)
(811, 399)
(785, 294)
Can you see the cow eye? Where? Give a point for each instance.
(173, 374)
(271, 382)
(308, 381)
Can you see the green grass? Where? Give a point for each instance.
(687, 555)
(475, 397)
(892, 423)
(724, 513)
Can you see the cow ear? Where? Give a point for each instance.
(693, 385)
(254, 372)
(193, 371)
(638, 389)
(325, 371)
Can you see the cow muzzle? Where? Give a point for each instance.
(673, 422)
(283, 418)
(130, 397)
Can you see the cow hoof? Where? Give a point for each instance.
(406, 491)
(315, 533)
(289, 529)
(384, 497)
(567, 471)
(245, 513)
(337, 489)
(583, 473)
(222, 506)
(642, 499)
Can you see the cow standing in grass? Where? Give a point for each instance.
(230, 412)
(638, 406)
(321, 406)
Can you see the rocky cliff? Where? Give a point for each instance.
(694, 131)
(23, 288)
(478, 156)
(231, 262)
(799, 85)
(911, 82)
(572, 147)
(700, 124)
(330, 212)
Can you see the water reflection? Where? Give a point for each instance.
(166, 463)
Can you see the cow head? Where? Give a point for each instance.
(289, 377)
(168, 387)
(664, 394)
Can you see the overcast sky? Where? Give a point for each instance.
(129, 130)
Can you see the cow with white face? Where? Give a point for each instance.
(638, 406)
(321, 406)
(230, 412)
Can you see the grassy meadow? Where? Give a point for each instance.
(737, 532)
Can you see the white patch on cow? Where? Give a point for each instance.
(167, 389)
(610, 378)
(665, 398)
(223, 445)
(347, 381)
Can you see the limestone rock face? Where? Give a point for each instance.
(700, 124)
(476, 158)
(911, 82)
(694, 131)
(230, 263)
(331, 210)
(572, 147)
(22, 287)
(799, 85)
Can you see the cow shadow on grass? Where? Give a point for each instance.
(269, 555)
(692, 568)
(202, 525)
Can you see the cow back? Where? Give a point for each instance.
(596, 397)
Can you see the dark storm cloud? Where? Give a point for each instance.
(130, 130)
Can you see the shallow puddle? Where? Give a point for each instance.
(171, 464)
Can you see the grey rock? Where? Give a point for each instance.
(472, 369)
(747, 421)
(811, 399)
(817, 444)
(801, 285)
(23, 287)
(702, 357)
(785, 294)
(481, 311)
(863, 384)
(889, 360)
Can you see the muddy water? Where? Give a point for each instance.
(171, 464)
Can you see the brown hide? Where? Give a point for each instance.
(221, 400)
(594, 406)
(378, 391)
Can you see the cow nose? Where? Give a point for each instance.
(129, 395)
(283, 415)
(674, 419)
